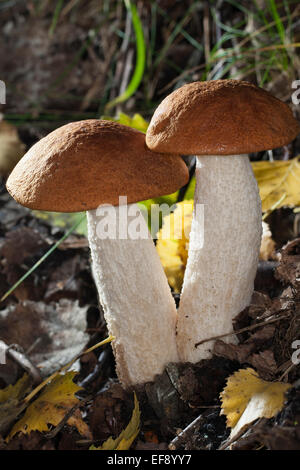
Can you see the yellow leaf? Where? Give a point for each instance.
(137, 121)
(15, 391)
(51, 406)
(172, 243)
(246, 397)
(11, 402)
(279, 183)
(127, 436)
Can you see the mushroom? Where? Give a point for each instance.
(81, 166)
(220, 122)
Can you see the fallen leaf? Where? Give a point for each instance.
(11, 403)
(29, 243)
(288, 270)
(264, 362)
(55, 401)
(137, 121)
(127, 436)
(110, 405)
(278, 183)
(246, 398)
(59, 332)
(234, 352)
(14, 391)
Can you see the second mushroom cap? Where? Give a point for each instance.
(220, 117)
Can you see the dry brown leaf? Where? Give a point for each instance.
(127, 436)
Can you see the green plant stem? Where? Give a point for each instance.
(66, 367)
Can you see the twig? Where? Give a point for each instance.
(55, 431)
(242, 330)
(65, 419)
(241, 432)
(15, 352)
(66, 367)
(185, 433)
(287, 370)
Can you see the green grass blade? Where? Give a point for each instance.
(140, 58)
(59, 5)
(177, 30)
(42, 259)
(260, 13)
(191, 40)
(278, 22)
(240, 7)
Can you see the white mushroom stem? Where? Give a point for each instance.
(133, 290)
(219, 277)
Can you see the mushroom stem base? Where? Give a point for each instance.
(223, 253)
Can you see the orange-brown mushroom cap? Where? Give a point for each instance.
(220, 117)
(87, 163)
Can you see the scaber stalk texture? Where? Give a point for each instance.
(137, 302)
(219, 277)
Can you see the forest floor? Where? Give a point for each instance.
(67, 65)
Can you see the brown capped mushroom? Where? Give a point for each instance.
(81, 166)
(220, 122)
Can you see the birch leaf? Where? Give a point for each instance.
(11, 402)
(127, 436)
(279, 183)
(15, 391)
(51, 406)
(246, 398)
